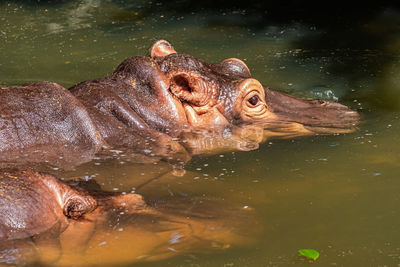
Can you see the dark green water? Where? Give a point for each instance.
(337, 194)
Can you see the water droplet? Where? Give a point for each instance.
(102, 243)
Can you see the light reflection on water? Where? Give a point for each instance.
(336, 194)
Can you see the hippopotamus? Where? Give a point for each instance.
(32, 203)
(169, 106)
(48, 221)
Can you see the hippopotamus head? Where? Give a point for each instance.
(182, 104)
(32, 203)
(225, 93)
(48, 221)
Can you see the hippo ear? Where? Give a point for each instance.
(236, 66)
(161, 48)
(193, 90)
(77, 206)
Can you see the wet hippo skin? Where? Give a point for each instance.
(42, 217)
(47, 221)
(166, 106)
(32, 203)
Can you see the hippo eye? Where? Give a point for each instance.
(254, 100)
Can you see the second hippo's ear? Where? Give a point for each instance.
(236, 66)
(77, 206)
(161, 48)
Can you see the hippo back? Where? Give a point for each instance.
(44, 122)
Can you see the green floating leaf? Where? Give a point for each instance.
(309, 253)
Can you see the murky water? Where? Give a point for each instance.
(337, 194)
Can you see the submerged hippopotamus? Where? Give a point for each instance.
(168, 105)
(44, 220)
(32, 203)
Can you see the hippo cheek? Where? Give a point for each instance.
(211, 118)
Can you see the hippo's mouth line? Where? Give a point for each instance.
(338, 119)
(347, 127)
(330, 129)
(291, 128)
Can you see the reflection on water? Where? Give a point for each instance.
(336, 194)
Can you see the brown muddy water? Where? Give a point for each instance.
(336, 194)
